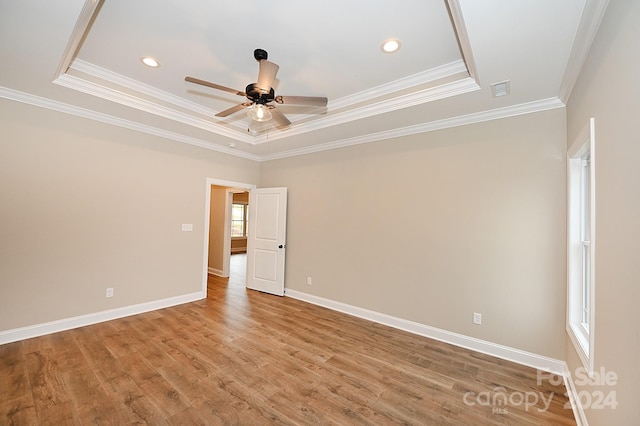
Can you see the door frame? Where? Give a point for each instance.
(207, 217)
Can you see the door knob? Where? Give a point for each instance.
(281, 246)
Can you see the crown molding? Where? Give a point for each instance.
(592, 15)
(153, 100)
(41, 102)
(526, 108)
(142, 104)
(495, 114)
(455, 88)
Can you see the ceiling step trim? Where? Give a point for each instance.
(408, 82)
(139, 103)
(428, 95)
(405, 83)
(462, 36)
(526, 108)
(81, 27)
(123, 97)
(139, 87)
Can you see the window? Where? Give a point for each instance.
(580, 244)
(585, 240)
(239, 216)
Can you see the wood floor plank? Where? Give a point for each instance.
(14, 380)
(90, 402)
(245, 357)
(167, 400)
(52, 402)
(297, 407)
(131, 402)
(18, 411)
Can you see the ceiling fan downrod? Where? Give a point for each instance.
(260, 54)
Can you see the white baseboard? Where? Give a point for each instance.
(217, 272)
(574, 399)
(22, 333)
(529, 359)
(504, 352)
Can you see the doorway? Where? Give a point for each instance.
(218, 239)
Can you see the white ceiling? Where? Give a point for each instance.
(83, 57)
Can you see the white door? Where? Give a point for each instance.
(266, 241)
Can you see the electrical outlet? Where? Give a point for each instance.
(477, 318)
(110, 292)
(309, 282)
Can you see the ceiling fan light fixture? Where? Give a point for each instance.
(150, 61)
(391, 46)
(259, 112)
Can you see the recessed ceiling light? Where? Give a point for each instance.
(391, 45)
(150, 61)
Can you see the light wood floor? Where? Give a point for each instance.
(243, 357)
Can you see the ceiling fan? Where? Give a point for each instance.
(260, 95)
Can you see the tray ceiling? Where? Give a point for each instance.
(84, 58)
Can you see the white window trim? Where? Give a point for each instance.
(246, 220)
(583, 339)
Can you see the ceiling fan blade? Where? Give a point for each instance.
(302, 100)
(279, 118)
(227, 112)
(213, 85)
(266, 75)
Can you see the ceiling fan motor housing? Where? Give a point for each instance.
(258, 96)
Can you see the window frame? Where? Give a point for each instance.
(581, 222)
(245, 221)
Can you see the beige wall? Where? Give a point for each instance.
(216, 227)
(86, 206)
(608, 90)
(434, 227)
(238, 245)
